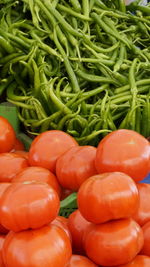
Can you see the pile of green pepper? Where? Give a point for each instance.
(78, 66)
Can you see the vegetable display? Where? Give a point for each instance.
(104, 222)
(77, 66)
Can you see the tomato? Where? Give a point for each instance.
(28, 205)
(108, 196)
(65, 193)
(22, 153)
(146, 231)
(80, 261)
(3, 187)
(48, 146)
(138, 261)
(62, 222)
(2, 238)
(10, 165)
(124, 151)
(142, 215)
(18, 145)
(75, 166)
(7, 135)
(113, 243)
(77, 226)
(38, 174)
(43, 247)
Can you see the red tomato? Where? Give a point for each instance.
(18, 145)
(7, 135)
(108, 196)
(142, 215)
(77, 226)
(38, 174)
(124, 151)
(65, 193)
(62, 222)
(138, 261)
(146, 231)
(3, 187)
(28, 205)
(2, 238)
(81, 166)
(48, 146)
(43, 247)
(10, 165)
(22, 153)
(80, 261)
(113, 243)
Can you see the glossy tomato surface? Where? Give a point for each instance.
(38, 174)
(3, 187)
(48, 146)
(2, 238)
(146, 247)
(10, 165)
(138, 261)
(114, 243)
(124, 151)
(75, 166)
(29, 205)
(7, 135)
(77, 225)
(43, 247)
(62, 222)
(142, 215)
(108, 196)
(80, 261)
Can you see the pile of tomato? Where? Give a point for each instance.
(111, 226)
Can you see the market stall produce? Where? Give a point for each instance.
(74, 133)
(105, 222)
(77, 66)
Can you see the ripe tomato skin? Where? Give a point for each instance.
(80, 261)
(3, 187)
(7, 135)
(81, 166)
(22, 153)
(142, 215)
(77, 226)
(2, 238)
(10, 165)
(124, 151)
(114, 243)
(146, 247)
(62, 222)
(38, 174)
(108, 196)
(46, 246)
(48, 146)
(18, 145)
(138, 261)
(30, 205)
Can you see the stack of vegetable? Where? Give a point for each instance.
(110, 227)
(78, 66)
